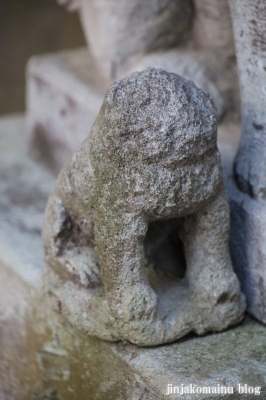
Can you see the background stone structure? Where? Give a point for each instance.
(27, 28)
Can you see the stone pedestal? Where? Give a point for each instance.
(65, 363)
(64, 95)
(44, 357)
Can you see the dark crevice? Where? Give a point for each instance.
(164, 248)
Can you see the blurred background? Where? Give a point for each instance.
(30, 27)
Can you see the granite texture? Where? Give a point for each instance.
(204, 68)
(149, 172)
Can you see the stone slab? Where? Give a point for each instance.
(67, 363)
(64, 95)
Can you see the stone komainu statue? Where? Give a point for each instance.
(150, 166)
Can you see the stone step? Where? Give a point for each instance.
(44, 357)
(64, 95)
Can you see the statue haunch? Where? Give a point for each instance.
(149, 173)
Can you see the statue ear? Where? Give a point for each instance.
(71, 5)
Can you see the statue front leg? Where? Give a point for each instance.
(121, 251)
(209, 269)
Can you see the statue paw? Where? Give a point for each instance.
(139, 302)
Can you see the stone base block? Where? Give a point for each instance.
(248, 248)
(64, 95)
(65, 363)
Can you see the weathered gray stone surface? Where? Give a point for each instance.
(24, 189)
(249, 18)
(248, 248)
(247, 229)
(22, 203)
(42, 356)
(64, 95)
(150, 169)
(67, 363)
